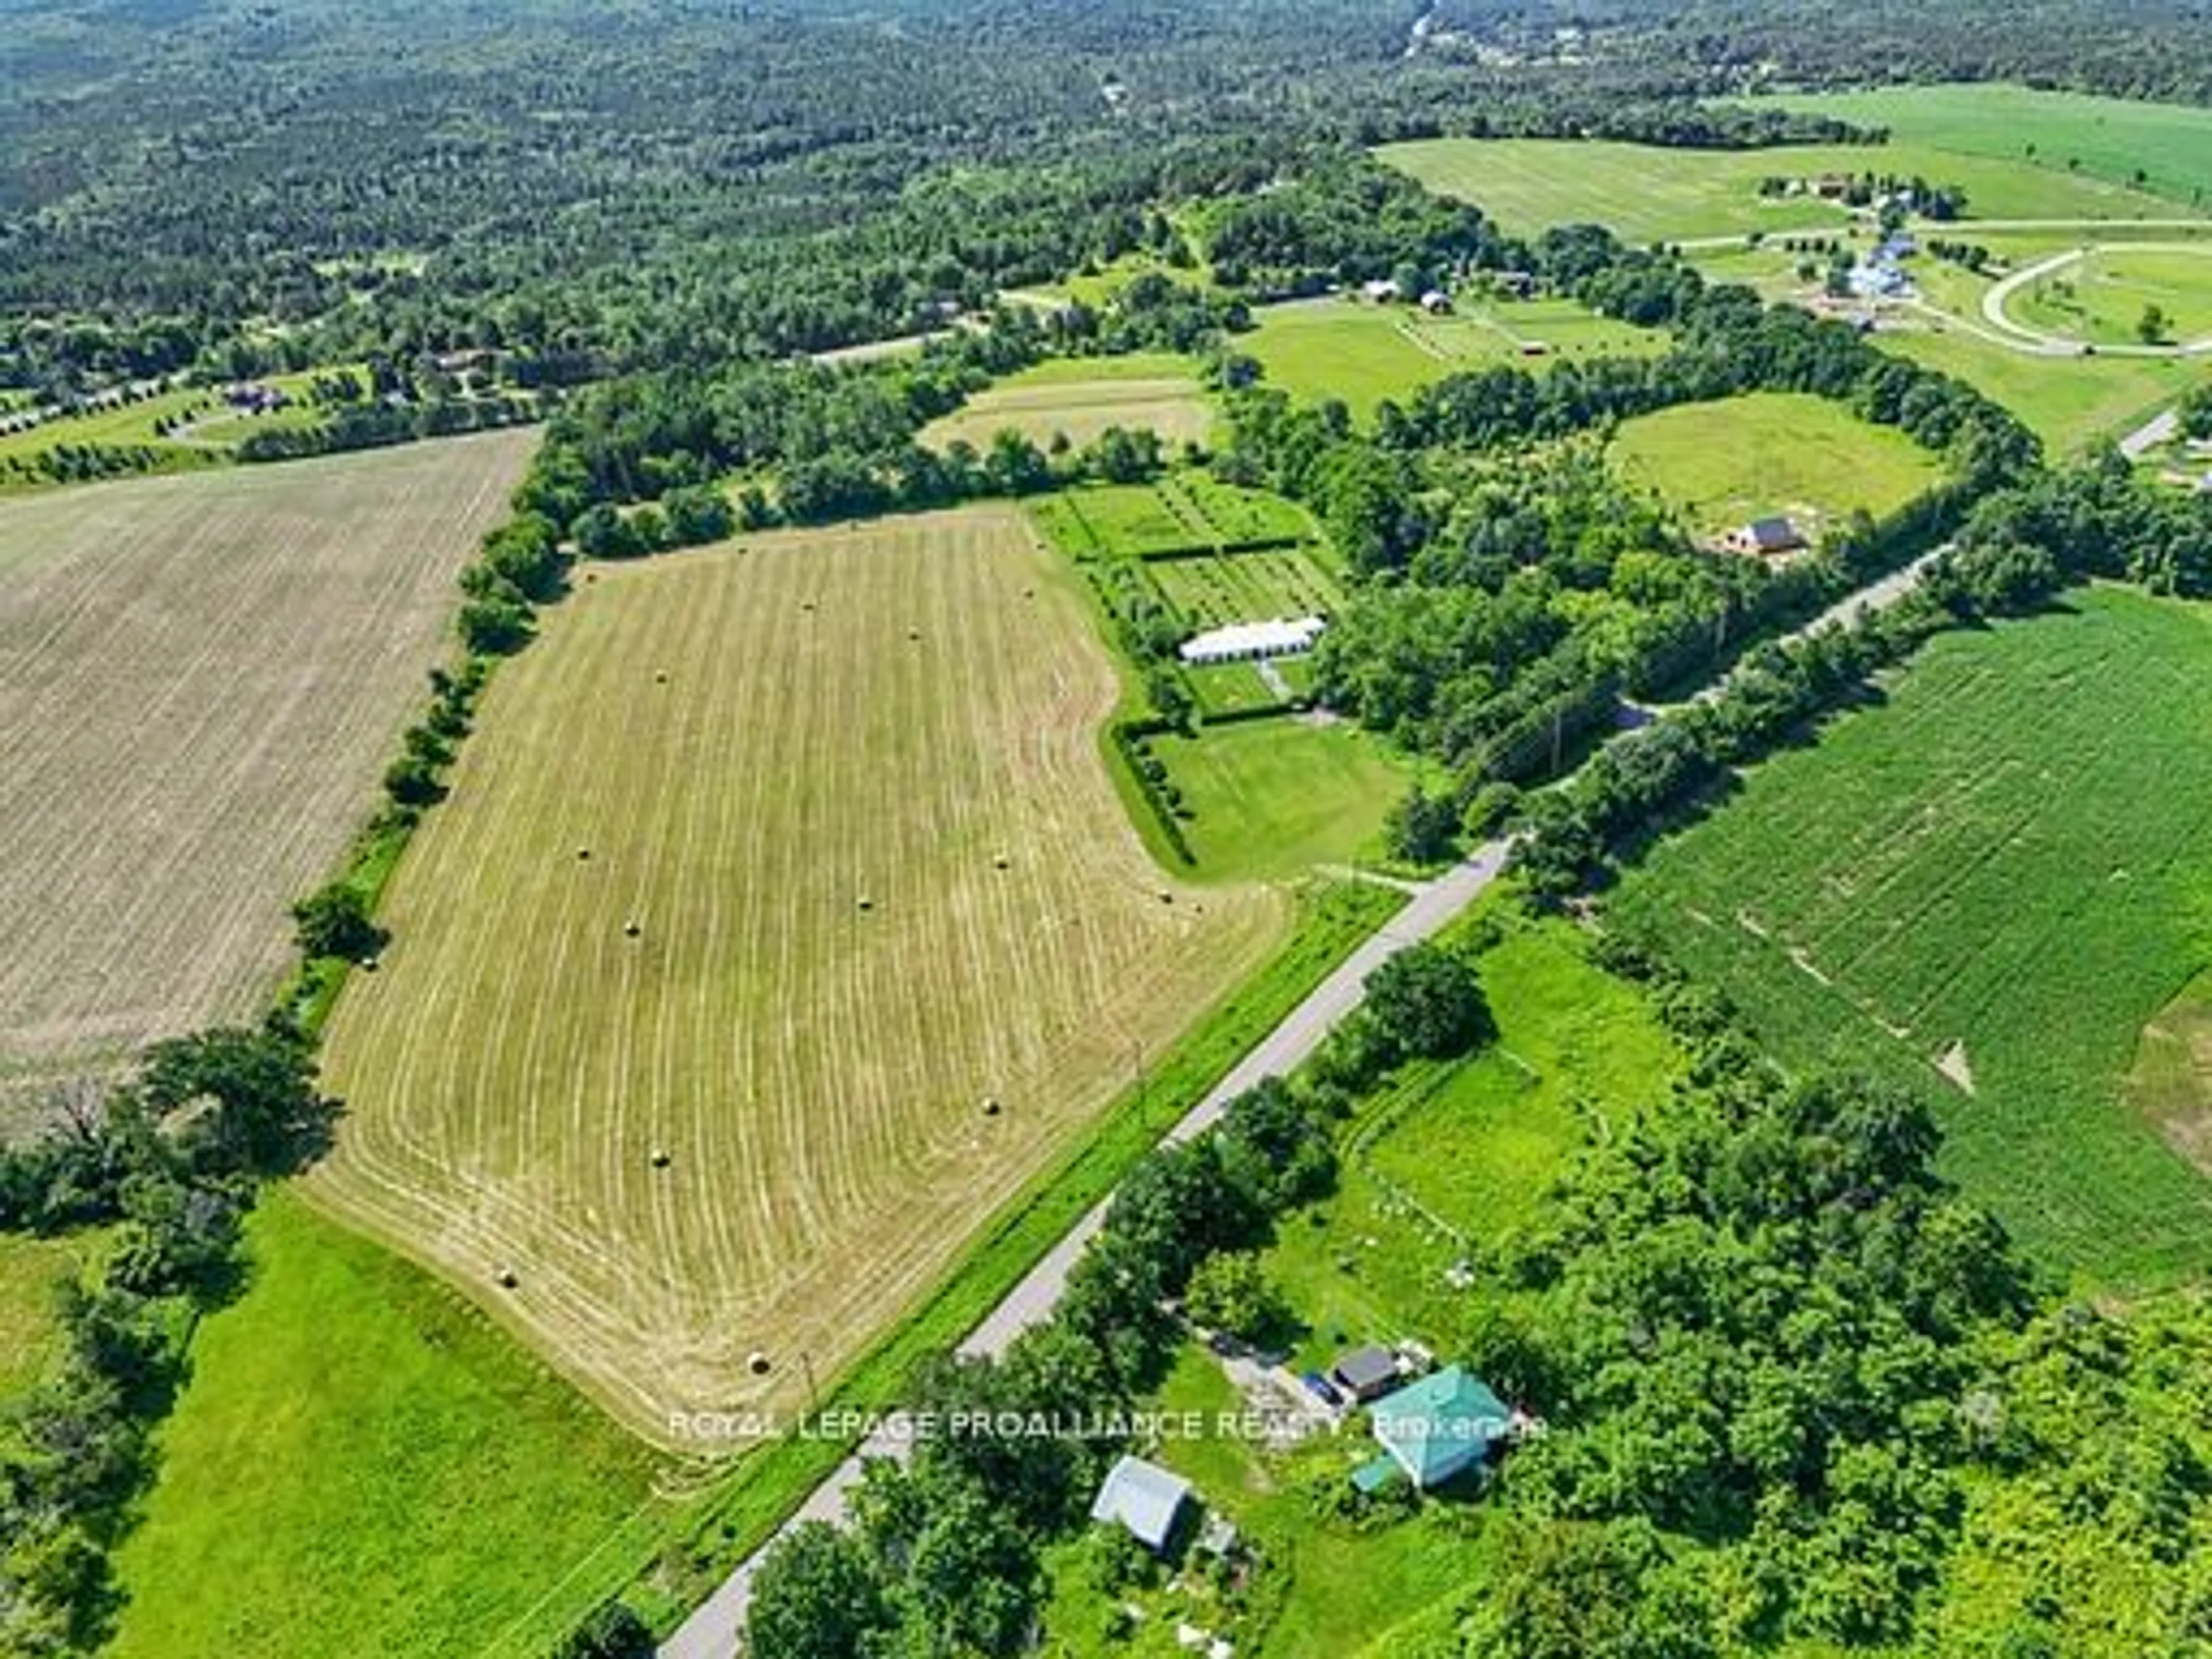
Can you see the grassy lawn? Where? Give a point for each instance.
(32, 1272)
(1271, 798)
(2067, 402)
(2001, 871)
(1719, 464)
(1647, 194)
(2165, 149)
(2102, 296)
(1579, 1052)
(362, 1464)
(1362, 353)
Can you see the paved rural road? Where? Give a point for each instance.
(711, 1632)
(1995, 297)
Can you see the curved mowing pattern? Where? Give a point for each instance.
(200, 678)
(905, 715)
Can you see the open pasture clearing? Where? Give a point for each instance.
(1271, 798)
(1720, 464)
(1080, 398)
(2164, 148)
(2004, 871)
(881, 880)
(1645, 194)
(364, 1464)
(204, 676)
(1361, 353)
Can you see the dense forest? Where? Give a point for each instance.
(274, 185)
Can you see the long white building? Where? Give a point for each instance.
(1246, 641)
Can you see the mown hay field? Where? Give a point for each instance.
(1985, 890)
(203, 676)
(2162, 148)
(881, 882)
(1643, 193)
(1080, 398)
(1346, 349)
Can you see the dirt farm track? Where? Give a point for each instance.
(201, 679)
(894, 943)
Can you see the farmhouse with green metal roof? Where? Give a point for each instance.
(1441, 1426)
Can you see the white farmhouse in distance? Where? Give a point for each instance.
(1249, 642)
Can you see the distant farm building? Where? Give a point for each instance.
(1150, 1501)
(1251, 641)
(1442, 1425)
(1764, 537)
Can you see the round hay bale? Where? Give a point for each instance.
(865, 903)
(507, 1279)
(757, 1363)
(914, 633)
(633, 927)
(660, 677)
(582, 853)
(991, 1107)
(807, 605)
(1166, 896)
(369, 964)
(1002, 861)
(660, 1157)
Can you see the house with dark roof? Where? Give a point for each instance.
(1151, 1502)
(1765, 536)
(1441, 1426)
(1366, 1373)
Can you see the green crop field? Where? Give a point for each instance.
(1214, 589)
(1647, 194)
(894, 948)
(1080, 398)
(2165, 149)
(204, 676)
(2067, 402)
(1362, 353)
(2100, 297)
(1719, 464)
(1270, 799)
(2001, 873)
(364, 1464)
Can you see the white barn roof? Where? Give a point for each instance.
(1279, 637)
(1144, 1497)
